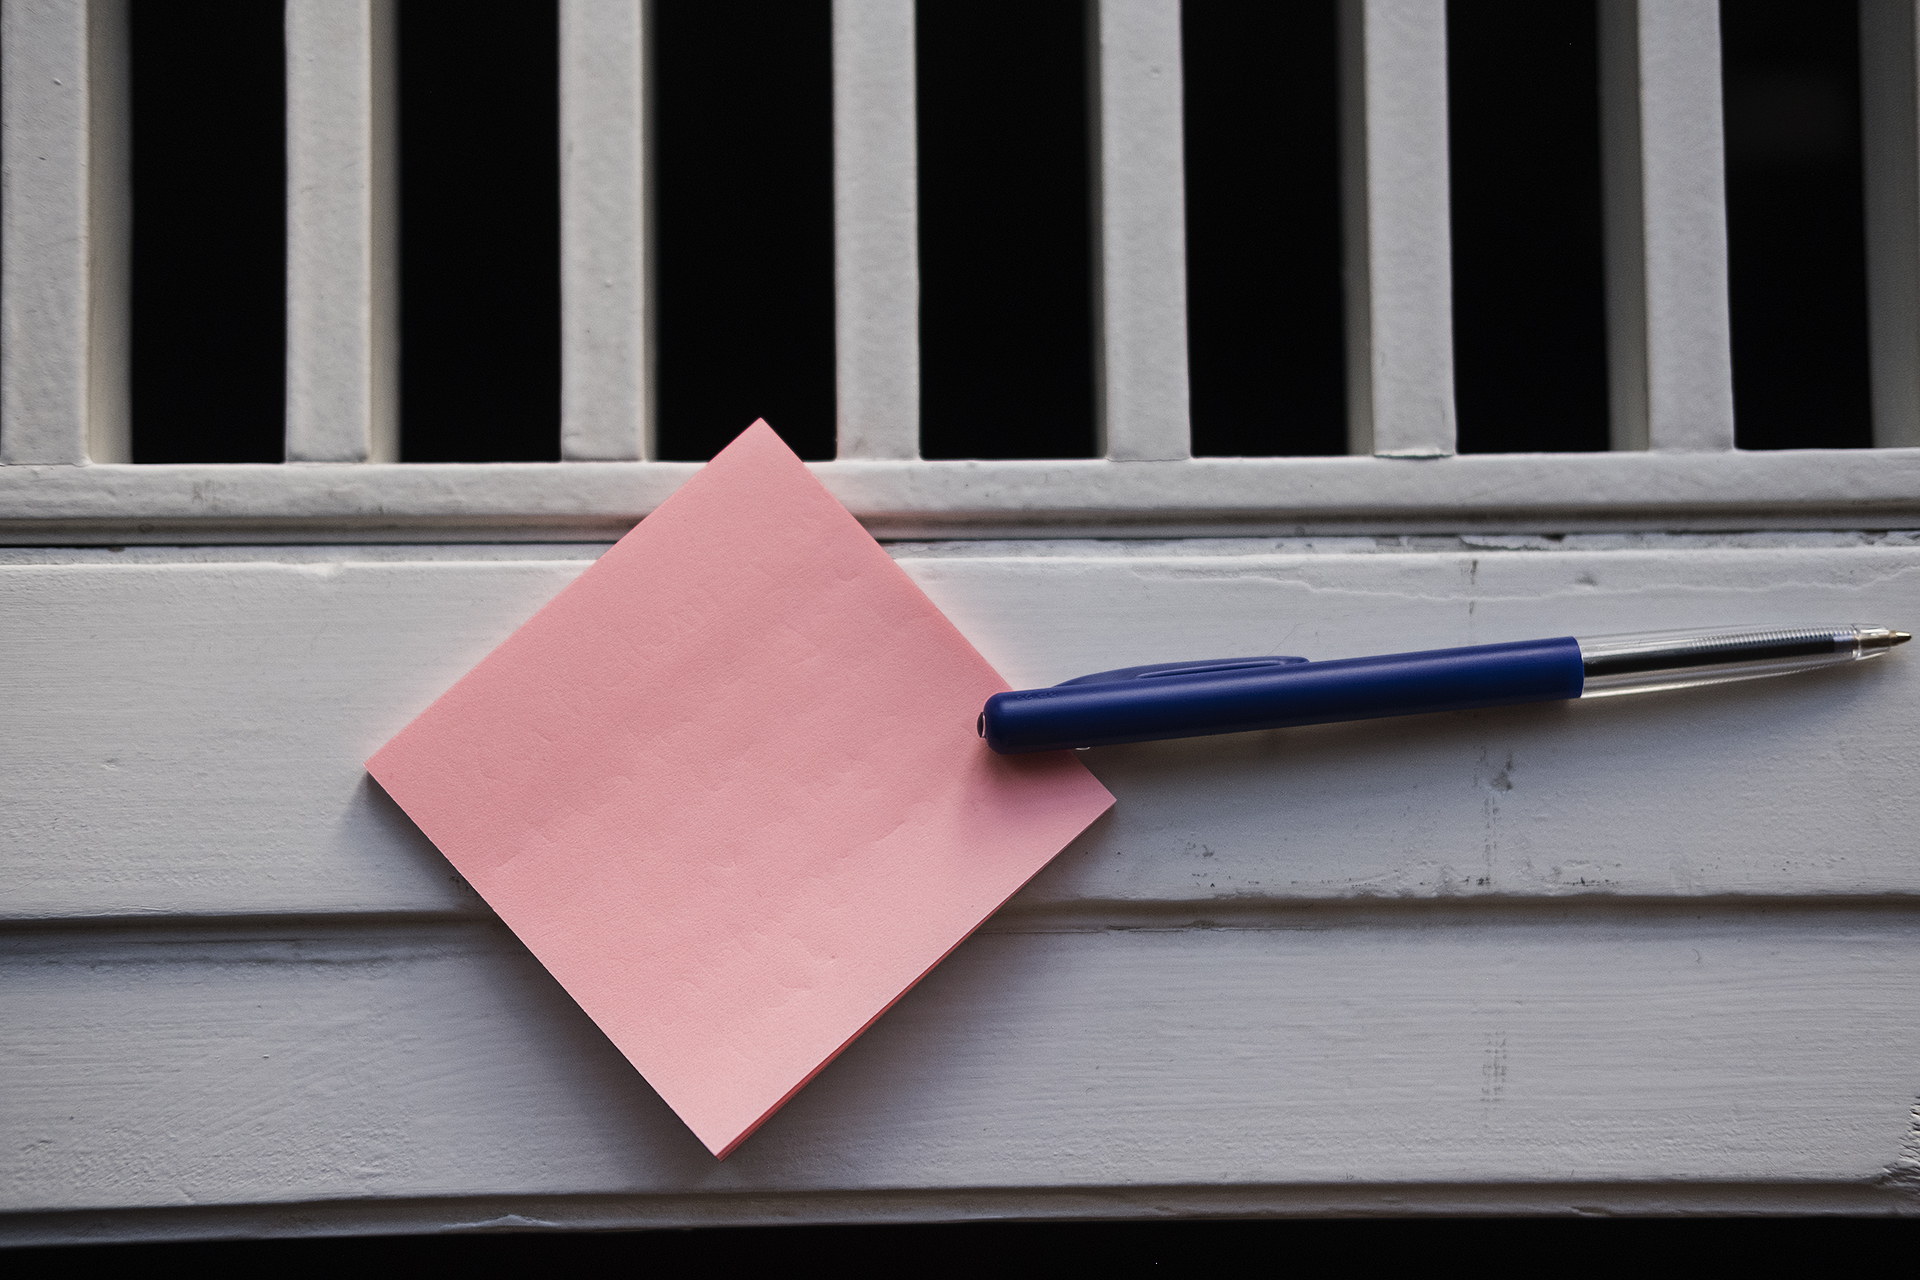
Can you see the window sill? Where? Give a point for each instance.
(1839, 488)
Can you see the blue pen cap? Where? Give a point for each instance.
(1186, 700)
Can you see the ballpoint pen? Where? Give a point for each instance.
(1233, 695)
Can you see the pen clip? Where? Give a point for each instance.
(1162, 669)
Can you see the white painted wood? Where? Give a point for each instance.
(1398, 242)
(606, 329)
(1777, 788)
(110, 234)
(876, 249)
(1532, 959)
(65, 227)
(283, 1063)
(207, 761)
(1890, 116)
(1142, 232)
(1669, 352)
(1840, 488)
(342, 233)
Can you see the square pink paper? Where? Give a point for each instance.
(727, 787)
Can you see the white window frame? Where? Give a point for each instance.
(64, 430)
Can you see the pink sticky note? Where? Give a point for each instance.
(727, 787)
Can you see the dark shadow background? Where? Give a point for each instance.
(209, 231)
(1796, 224)
(1265, 351)
(744, 234)
(1529, 282)
(743, 99)
(1006, 230)
(479, 231)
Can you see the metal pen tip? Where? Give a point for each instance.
(1900, 637)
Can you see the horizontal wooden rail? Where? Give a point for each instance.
(366, 1065)
(1836, 488)
(208, 761)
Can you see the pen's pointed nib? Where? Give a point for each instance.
(1901, 637)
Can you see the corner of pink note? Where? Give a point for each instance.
(726, 786)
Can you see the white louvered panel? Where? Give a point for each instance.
(66, 376)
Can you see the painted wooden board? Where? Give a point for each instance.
(876, 241)
(1141, 240)
(1431, 1045)
(187, 738)
(1669, 345)
(1395, 228)
(1771, 787)
(606, 346)
(1199, 497)
(343, 234)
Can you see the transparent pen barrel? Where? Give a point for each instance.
(1650, 660)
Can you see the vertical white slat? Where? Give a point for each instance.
(1890, 116)
(1394, 192)
(64, 222)
(342, 225)
(876, 251)
(110, 206)
(606, 343)
(1141, 266)
(1669, 346)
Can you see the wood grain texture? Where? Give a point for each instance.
(288, 1064)
(1533, 493)
(1649, 955)
(206, 759)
